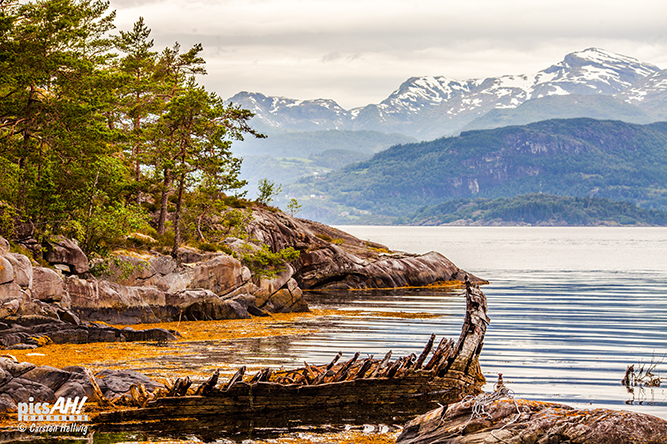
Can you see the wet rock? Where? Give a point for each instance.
(72, 389)
(201, 304)
(7, 404)
(14, 368)
(45, 384)
(47, 285)
(20, 390)
(67, 252)
(115, 383)
(36, 331)
(50, 377)
(533, 422)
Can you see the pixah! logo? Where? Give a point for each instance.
(61, 417)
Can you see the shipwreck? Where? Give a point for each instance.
(356, 388)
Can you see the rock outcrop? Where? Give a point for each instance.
(333, 259)
(20, 381)
(144, 287)
(32, 331)
(140, 288)
(521, 422)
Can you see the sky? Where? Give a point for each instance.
(358, 52)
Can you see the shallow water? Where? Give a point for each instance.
(570, 308)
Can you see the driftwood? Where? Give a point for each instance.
(452, 372)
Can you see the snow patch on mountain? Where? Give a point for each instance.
(432, 106)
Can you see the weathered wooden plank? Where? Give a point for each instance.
(425, 352)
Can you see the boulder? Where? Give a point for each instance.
(114, 303)
(4, 245)
(129, 270)
(115, 383)
(34, 331)
(46, 384)
(47, 285)
(11, 307)
(267, 287)
(7, 404)
(12, 298)
(221, 275)
(51, 377)
(6, 271)
(201, 304)
(162, 265)
(521, 421)
(13, 368)
(20, 390)
(286, 300)
(170, 283)
(22, 266)
(67, 252)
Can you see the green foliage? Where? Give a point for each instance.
(7, 216)
(324, 237)
(267, 191)
(122, 269)
(91, 123)
(265, 263)
(537, 209)
(293, 206)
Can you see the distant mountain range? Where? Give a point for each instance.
(430, 107)
(573, 157)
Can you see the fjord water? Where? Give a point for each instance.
(570, 309)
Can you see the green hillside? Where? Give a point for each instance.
(574, 157)
(536, 209)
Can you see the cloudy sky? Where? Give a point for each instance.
(358, 51)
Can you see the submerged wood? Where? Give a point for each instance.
(451, 373)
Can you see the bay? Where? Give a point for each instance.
(570, 308)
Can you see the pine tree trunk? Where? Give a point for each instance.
(177, 217)
(164, 202)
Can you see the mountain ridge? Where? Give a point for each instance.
(428, 107)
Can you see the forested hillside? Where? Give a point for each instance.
(573, 157)
(97, 128)
(536, 209)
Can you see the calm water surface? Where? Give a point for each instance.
(570, 309)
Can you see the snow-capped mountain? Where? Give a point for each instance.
(650, 94)
(430, 107)
(292, 114)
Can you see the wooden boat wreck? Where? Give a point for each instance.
(318, 393)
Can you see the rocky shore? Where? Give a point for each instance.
(143, 286)
(485, 419)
